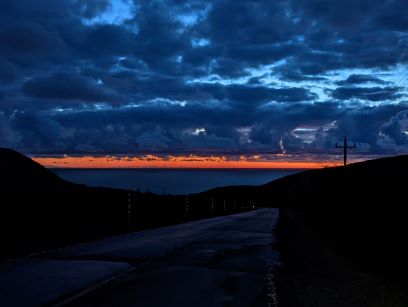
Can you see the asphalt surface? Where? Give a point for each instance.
(222, 261)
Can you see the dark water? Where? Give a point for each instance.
(173, 181)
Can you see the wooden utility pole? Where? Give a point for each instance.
(345, 148)
(346, 205)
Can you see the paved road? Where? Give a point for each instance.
(223, 261)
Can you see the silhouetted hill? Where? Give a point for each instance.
(341, 229)
(39, 210)
(353, 209)
(359, 210)
(19, 171)
(342, 235)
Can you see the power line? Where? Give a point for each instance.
(396, 87)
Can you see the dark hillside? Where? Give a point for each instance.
(359, 210)
(39, 210)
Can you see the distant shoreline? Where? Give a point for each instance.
(170, 180)
(178, 169)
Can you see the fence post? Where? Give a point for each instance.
(129, 210)
(187, 207)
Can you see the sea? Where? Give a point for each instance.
(171, 181)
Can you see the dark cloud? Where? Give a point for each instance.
(91, 9)
(27, 39)
(68, 86)
(360, 79)
(364, 93)
(107, 41)
(258, 94)
(8, 72)
(183, 76)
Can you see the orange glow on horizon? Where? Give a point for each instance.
(150, 161)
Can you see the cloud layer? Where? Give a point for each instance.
(225, 76)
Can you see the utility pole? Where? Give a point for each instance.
(345, 148)
(129, 210)
(346, 205)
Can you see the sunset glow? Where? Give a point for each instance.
(192, 161)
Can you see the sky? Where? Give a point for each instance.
(128, 82)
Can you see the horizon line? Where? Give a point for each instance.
(182, 162)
